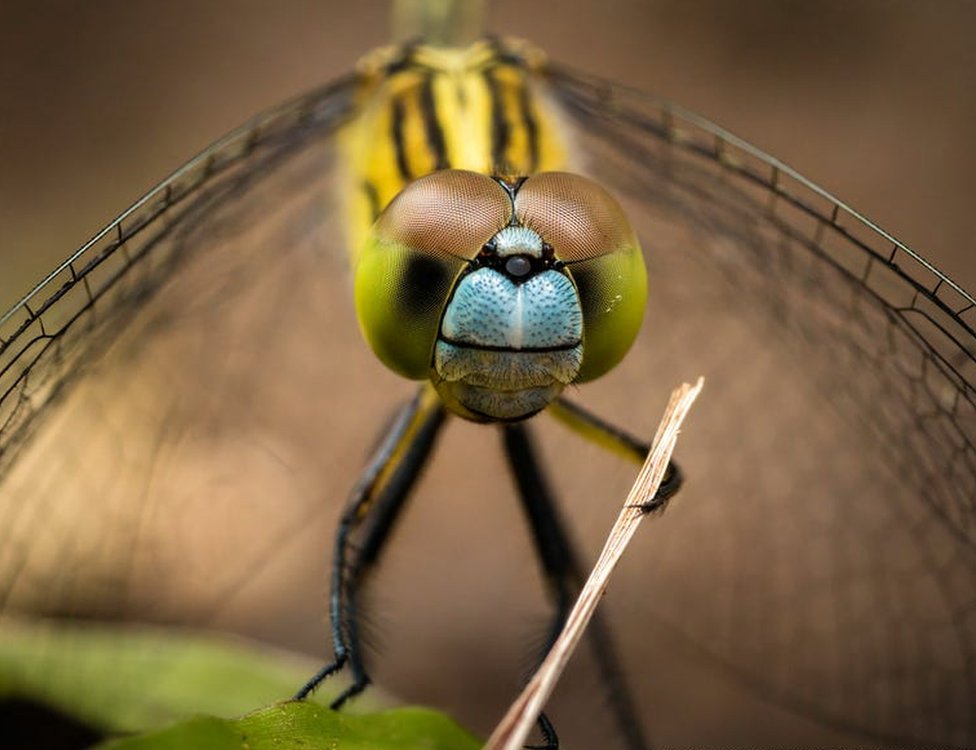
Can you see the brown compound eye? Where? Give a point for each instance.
(589, 231)
(412, 256)
(452, 212)
(574, 215)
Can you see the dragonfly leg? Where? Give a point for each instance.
(549, 738)
(564, 576)
(373, 508)
(610, 437)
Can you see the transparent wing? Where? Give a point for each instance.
(141, 428)
(822, 552)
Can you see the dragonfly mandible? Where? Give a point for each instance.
(175, 446)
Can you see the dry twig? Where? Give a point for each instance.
(512, 730)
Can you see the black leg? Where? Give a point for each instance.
(564, 575)
(374, 507)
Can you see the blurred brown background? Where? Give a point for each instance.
(873, 99)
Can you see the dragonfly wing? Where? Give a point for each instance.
(168, 396)
(821, 553)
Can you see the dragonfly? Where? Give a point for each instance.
(187, 402)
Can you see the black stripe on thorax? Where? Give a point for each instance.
(500, 130)
(501, 124)
(530, 124)
(432, 126)
(373, 198)
(397, 117)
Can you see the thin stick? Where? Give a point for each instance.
(512, 730)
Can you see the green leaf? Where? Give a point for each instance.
(294, 726)
(125, 679)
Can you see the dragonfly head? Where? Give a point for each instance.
(501, 292)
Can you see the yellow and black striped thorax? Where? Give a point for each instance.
(424, 109)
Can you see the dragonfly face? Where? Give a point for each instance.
(502, 293)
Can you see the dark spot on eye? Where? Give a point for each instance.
(588, 291)
(423, 285)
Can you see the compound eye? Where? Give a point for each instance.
(453, 212)
(589, 232)
(412, 257)
(574, 214)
